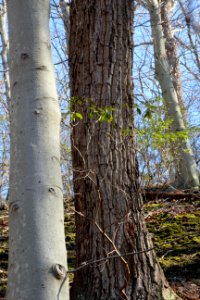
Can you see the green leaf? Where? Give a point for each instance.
(2, 118)
(79, 115)
(105, 117)
(148, 114)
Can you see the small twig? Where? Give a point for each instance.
(61, 286)
(163, 256)
(114, 246)
(90, 262)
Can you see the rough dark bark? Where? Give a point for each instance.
(109, 219)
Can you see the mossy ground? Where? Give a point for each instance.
(3, 251)
(70, 240)
(174, 225)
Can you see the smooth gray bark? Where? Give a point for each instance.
(186, 169)
(189, 23)
(64, 5)
(4, 51)
(37, 241)
(172, 54)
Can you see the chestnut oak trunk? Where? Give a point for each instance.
(109, 217)
(37, 256)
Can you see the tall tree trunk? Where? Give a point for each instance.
(186, 169)
(37, 257)
(172, 53)
(175, 72)
(190, 23)
(65, 17)
(109, 219)
(4, 51)
(5, 101)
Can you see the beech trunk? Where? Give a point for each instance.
(37, 254)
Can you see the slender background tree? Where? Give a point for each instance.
(187, 174)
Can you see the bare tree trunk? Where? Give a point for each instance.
(4, 51)
(175, 72)
(186, 169)
(64, 5)
(189, 24)
(109, 219)
(5, 100)
(37, 257)
(172, 54)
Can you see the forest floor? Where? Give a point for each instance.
(173, 221)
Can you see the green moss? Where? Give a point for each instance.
(71, 257)
(3, 261)
(188, 217)
(70, 242)
(188, 267)
(196, 240)
(176, 236)
(69, 237)
(151, 206)
(3, 282)
(69, 228)
(2, 290)
(3, 254)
